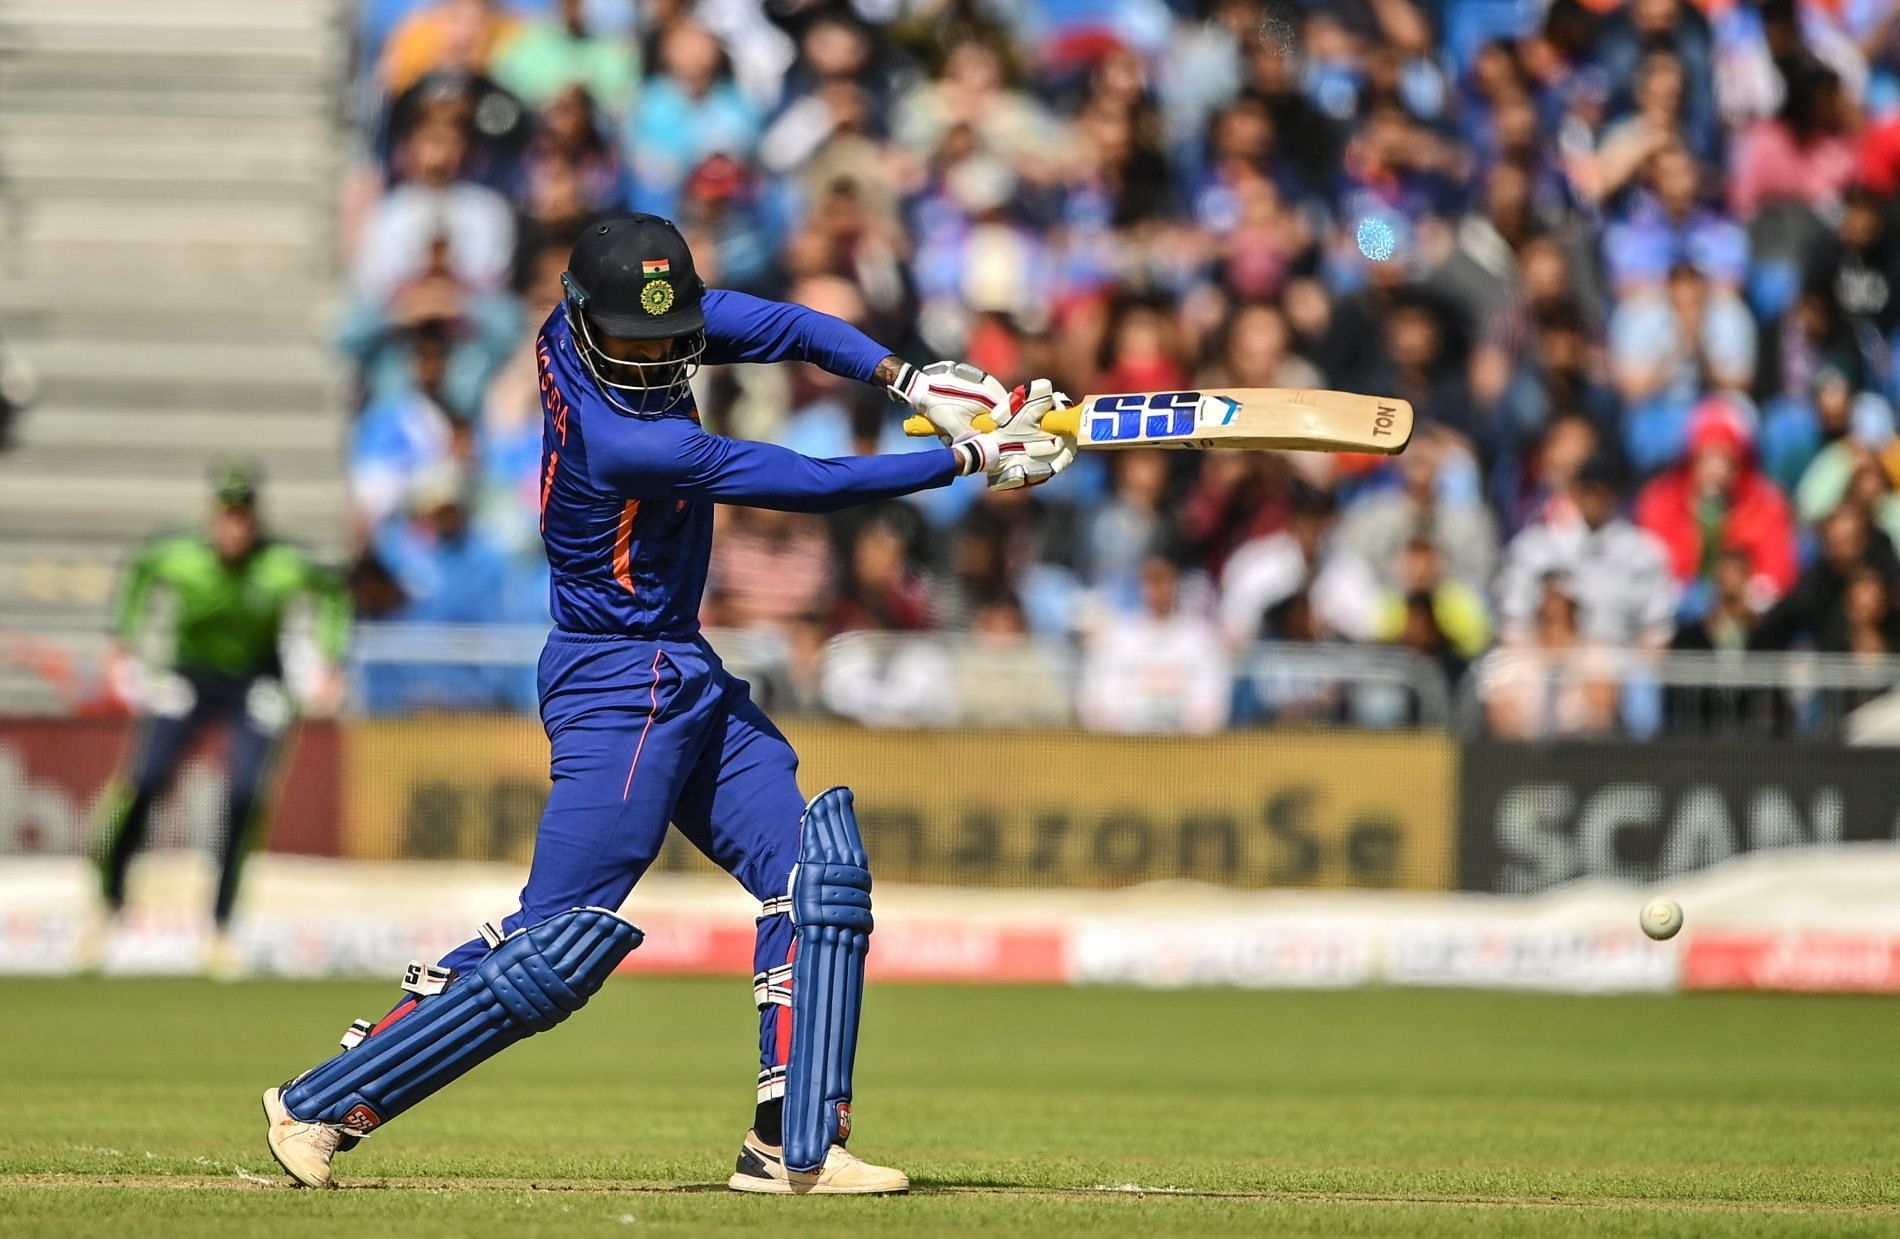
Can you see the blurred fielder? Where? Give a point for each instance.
(647, 727)
(224, 595)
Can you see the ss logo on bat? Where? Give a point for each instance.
(1163, 415)
(1382, 420)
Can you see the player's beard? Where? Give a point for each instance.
(647, 386)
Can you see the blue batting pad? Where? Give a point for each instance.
(831, 917)
(530, 981)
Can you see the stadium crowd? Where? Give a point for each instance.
(1644, 296)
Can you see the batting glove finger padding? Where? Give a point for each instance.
(1019, 452)
(950, 394)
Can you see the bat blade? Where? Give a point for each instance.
(1278, 419)
(1260, 418)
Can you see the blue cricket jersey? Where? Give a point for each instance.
(627, 499)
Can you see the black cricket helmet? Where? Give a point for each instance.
(631, 277)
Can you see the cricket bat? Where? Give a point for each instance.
(1262, 418)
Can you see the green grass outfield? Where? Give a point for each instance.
(131, 1109)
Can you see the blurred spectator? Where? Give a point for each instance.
(1438, 502)
(1803, 155)
(1726, 627)
(688, 109)
(1425, 611)
(1559, 372)
(974, 254)
(572, 144)
(1636, 29)
(1003, 679)
(1032, 540)
(721, 216)
(1668, 226)
(1861, 262)
(497, 125)
(1254, 349)
(1129, 527)
(1141, 352)
(1423, 362)
(1159, 668)
(1871, 624)
(1717, 500)
(834, 47)
(1301, 584)
(979, 576)
(1542, 490)
(971, 91)
(1482, 272)
(478, 326)
(1730, 618)
(408, 430)
(1654, 127)
(882, 589)
(448, 573)
(1796, 431)
(1816, 611)
(1554, 683)
(460, 34)
(1858, 468)
(558, 52)
(401, 230)
(882, 681)
(1667, 350)
(768, 568)
(1614, 575)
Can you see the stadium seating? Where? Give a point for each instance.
(166, 251)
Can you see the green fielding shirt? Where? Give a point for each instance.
(229, 617)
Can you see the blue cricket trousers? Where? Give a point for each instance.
(646, 731)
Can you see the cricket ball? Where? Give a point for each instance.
(1661, 918)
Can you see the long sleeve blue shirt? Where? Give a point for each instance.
(627, 500)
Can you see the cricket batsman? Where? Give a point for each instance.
(227, 593)
(645, 724)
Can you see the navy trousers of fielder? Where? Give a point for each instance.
(647, 731)
(254, 730)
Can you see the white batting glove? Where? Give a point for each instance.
(950, 394)
(1019, 452)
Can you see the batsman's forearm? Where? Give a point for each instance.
(886, 371)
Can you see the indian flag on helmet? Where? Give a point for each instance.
(655, 266)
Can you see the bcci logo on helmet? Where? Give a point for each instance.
(656, 297)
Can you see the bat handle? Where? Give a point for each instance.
(917, 426)
(1057, 422)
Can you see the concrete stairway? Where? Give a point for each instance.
(167, 263)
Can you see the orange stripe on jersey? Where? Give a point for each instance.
(547, 488)
(623, 546)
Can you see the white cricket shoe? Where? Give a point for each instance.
(761, 1169)
(303, 1149)
(223, 960)
(90, 944)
